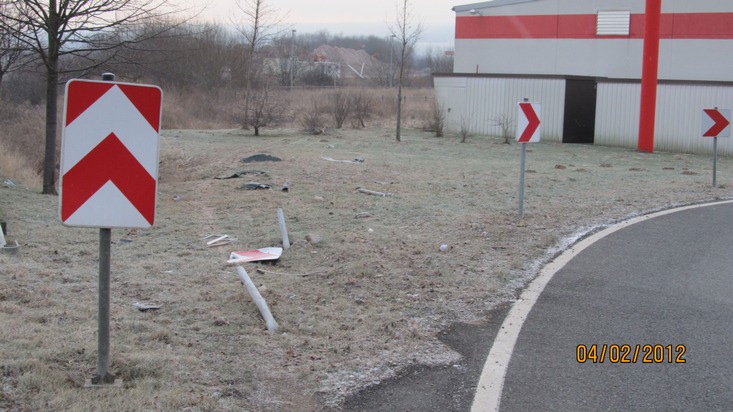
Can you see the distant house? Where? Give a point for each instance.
(346, 66)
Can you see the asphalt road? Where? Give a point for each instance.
(609, 331)
(666, 282)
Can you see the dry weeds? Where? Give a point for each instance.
(379, 292)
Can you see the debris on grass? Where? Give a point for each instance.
(283, 228)
(255, 255)
(263, 271)
(260, 157)
(331, 159)
(242, 173)
(258, 299)
(372, 192)
(218, 240)
(255, 186)
(144, 308)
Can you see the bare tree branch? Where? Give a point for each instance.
(261, 23)
(56, 28)
(407, 31)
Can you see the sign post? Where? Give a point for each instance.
(528, 131)
(109, 173)
(715, 123)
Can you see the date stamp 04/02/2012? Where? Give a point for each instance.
(637, 353)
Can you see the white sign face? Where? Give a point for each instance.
(528, 122)
(109, 154)
(716, 122)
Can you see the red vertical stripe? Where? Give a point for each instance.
(649, 73)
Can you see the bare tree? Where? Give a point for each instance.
(505, 123)
(262, 22)
(11, 49)
(340, 106)
(312, 118)
(363, 108)
(406, 31)
(265, 109)
(58, 28)
(464, 130)
(439, 61)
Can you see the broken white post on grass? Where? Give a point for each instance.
(2, 237)
(372, 192)
(283, 229)
(258, 299)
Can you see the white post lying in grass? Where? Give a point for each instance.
(258, 299)
(283, 229)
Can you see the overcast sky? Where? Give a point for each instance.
(354, 17)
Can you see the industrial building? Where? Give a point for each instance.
(582, 61)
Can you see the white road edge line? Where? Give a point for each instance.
(491, 382)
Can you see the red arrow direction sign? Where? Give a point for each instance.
(528, 123)
(716, 122)
(109, 154)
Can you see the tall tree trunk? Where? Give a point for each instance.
(399, 109)
(247, 87)
(52, 80)
(399, 91)
(49, 162)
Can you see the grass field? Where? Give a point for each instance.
(362, 293)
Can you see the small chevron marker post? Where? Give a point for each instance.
(528, 131)
(715, 123)
(109, 174)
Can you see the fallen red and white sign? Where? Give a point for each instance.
(716, 122)
(109, 154)
(528, 123)
(256, 255)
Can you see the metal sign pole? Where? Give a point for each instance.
(521, 179)
(715, 158)
(105, 251)
(103, 376)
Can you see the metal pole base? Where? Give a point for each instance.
(103, 380)
(96, 382)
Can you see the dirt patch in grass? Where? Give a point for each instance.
(378, 290)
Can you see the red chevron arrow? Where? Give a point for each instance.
(720, 123)
(109, 161)
(532, 125)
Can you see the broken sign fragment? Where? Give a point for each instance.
(242, 173)
(256, 255)
(218, 240)
(144, 308)
(255, 186)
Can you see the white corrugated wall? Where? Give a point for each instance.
(678, 120)
(480, 102)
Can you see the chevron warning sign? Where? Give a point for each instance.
(528, 122)
(109, 154)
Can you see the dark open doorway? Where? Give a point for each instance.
(580, 111)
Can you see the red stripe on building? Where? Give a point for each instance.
(583, 26)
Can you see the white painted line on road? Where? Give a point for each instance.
(491, 382)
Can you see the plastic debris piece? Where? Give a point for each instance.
(144, 308)
(218, 240)
(255, 186)
(242, 173)
(261, 157)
